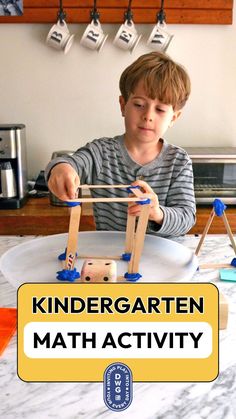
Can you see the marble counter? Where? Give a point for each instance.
(214, 400)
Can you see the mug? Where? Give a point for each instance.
(127, 37)
(59, 37)
(93, 36)
(159, 39)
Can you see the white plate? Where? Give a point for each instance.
(37, 260)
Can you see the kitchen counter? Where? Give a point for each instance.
(214, 400)
(38, 217)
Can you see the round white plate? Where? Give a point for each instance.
(37, 260)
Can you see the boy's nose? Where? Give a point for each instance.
(148, 118)
(148, 115)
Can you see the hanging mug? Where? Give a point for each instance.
(159, 38)
(59, 37)
(127, 37)
(93, 36)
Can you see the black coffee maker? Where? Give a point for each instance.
(13, 166)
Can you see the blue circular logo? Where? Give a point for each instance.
(118, 387)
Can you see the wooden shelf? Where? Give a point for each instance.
(112, 11)
(38, 217)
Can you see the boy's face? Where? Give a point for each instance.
(146, 120)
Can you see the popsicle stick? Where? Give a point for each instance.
(215, 266)
(130, 233)
(84, 186)
(223, 312)
(208, 224)
(131, 224)
(228, 229)
(99, 257)
(135, 199)
(121, 279)
(133, 266)
(72, 242)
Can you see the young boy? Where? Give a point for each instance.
(154, 90)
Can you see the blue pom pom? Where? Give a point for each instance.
(62, 256)
(73, 204)
(68, 275)
(144, 202)
(233, 262)
(132, 277)
(126, 256)
(219, 207)
(129, 189)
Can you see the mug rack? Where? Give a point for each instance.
(112, 11)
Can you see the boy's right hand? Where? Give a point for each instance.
(64, 181)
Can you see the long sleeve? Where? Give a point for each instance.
(180, 209)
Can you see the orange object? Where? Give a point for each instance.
(7, 326)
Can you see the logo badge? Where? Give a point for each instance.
(118, 387)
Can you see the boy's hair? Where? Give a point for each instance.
(163, 79)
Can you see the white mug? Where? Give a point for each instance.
(59, 37)
(159, 39)
(127, 37)
(93, 36)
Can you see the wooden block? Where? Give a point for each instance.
(99, 270)
(223, 312)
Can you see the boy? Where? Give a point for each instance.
(154, 90)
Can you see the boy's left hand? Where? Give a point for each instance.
(156, 213)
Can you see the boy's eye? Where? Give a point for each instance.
(139, 105)
(160, 110)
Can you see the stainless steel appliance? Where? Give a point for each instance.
(214, 170)
(13, 166)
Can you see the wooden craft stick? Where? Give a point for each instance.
(73, 237)
(99, 257)
(131, 224)
(133, 266)
(121, 278)
(130, 233)
(228, 229)
(223, 312)
(84, 186)
(208, 224)
(134, 199)
(215, 266)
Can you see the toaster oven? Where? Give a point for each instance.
(214, 170)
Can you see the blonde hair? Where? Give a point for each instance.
(163, 79)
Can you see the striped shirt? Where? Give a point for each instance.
(106, 161)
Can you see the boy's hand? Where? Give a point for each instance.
(156, 213)
(64, 181)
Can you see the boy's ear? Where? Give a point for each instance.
(122, 105)
(175, 116)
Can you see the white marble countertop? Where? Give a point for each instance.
(214, 400)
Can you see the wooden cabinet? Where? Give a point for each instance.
(38, 217)
(112, 11)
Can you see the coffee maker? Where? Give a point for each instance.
(13, 166)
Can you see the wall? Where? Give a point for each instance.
(66, 101)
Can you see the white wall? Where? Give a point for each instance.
(67, 100)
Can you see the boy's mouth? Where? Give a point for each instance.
(145, 129)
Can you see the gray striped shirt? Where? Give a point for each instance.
(106, 161)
